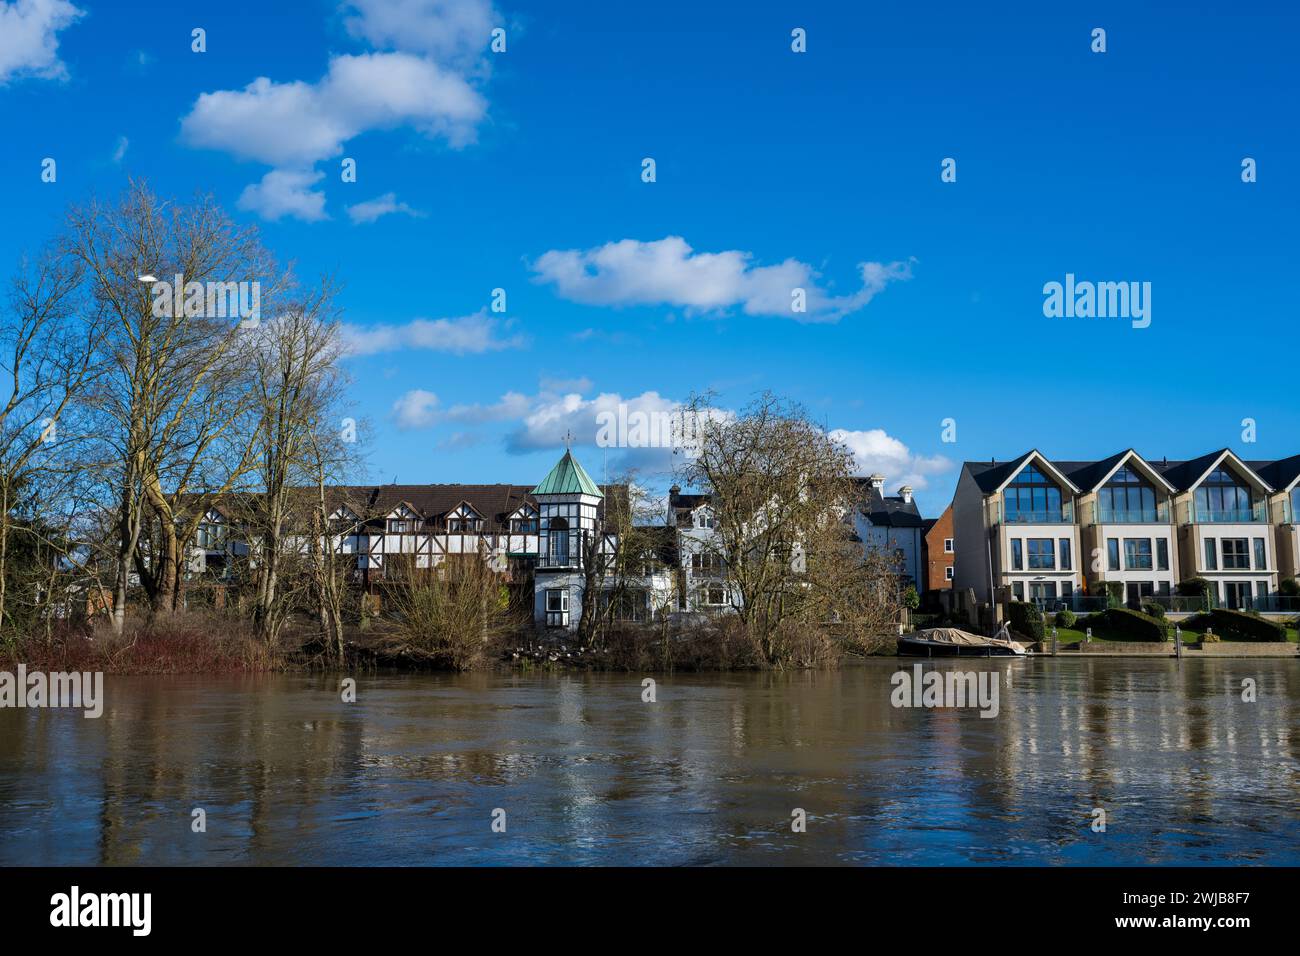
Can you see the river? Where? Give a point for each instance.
(578, 769)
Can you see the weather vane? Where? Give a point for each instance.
(568, 440)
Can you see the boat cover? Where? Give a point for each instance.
(952, 635)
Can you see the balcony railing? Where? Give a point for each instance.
(1157, 515)
(1079, 603)
(1062, 515)
(1255, 515)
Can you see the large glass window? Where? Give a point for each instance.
(1261, 562)
(1066, 562)
(1031, 497)
(1128, 497)
(1162, 554)
(1236, 554)
(1211, 555)
(1042, 554)
(1017, 555)
(1112, 554)
(1137, 554)
(1224, 496)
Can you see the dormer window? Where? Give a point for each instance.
(464, 520)
(403, 521)
(523, 521)
(704, 519)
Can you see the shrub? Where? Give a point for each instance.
(1134, 625)
(1065, 618)
(1112, 591)
(1238, 626)
(1026, 619)
(1195, 587)
(1289, 587)
(1154, 610)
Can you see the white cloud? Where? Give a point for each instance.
(286, 192)
(470, 334)
(876, 451)
(29, 38)
(384, 205)
(453, 32)
(119, 151)
(425, 75)
(416, 409)
(669, 272)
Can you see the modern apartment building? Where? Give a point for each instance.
(1051, 531)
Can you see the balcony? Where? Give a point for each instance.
(1255, 515)
(1157, 515)
(1062, 515)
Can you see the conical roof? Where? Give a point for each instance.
(568, 478)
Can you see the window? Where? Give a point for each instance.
(1127, 497)
(1031, 497)
(1112, 554)
(706, 562)
(947, 545)
(1224, 496)
(1261, 562)
(1211, 556)
(212, 532)
(1040, 592)
(705, 519)
(464, 525)
(558, 537)
(1067, 588)
(1042, 554)
(1066, 561)
(1017, 555)
(400, 526)
(947, 573)
(523, 525)
(557, 599)
(1162, 554)
(1137, 554)
(1236, 554)
(714, 595)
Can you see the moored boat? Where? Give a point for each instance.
(953, 642)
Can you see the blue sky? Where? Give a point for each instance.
(522, 171)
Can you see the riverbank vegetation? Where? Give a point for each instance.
(147, 427)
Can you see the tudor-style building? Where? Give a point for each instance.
(547, 533)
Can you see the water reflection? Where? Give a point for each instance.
(587, 773)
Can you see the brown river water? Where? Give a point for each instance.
(712, 772)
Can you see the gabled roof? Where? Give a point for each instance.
(1091, 475)
(1186, 475)
(568, 478)
(1282, 475)
(993, 476)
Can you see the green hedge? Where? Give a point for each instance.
(1026, 619)
(1237, 625)
(1133, 625)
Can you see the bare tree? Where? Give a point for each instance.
(174, 400)
(782, 492)
(48, 352)
(296, 387)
